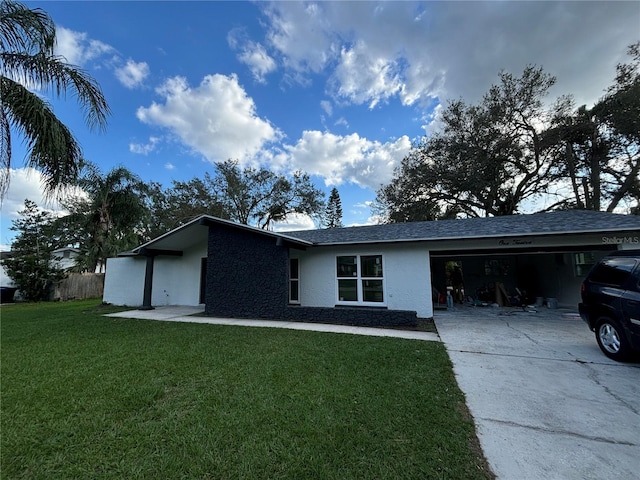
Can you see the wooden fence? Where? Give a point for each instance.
(78, 286)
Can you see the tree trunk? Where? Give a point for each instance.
(596, 156)
(571, 167)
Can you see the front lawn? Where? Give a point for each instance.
(91, 397)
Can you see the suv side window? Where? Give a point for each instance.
(613, 271)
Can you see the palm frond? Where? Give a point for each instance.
(27, 39)
(24, 29)
(51, 74)
(5, 152)
(52, 147)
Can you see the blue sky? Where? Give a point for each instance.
(337, 89)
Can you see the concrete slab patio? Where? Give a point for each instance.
(546, 402)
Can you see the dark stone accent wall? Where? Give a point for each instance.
(246, 274)
(357, 316)
(247, 277)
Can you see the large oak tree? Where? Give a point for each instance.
(259, 197)
(599, 147)
(486, 160)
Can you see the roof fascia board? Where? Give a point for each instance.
(153, 252)
(209, 220)
(478, 237)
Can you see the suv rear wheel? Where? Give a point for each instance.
(611, 340)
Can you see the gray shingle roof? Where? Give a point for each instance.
(562, 222)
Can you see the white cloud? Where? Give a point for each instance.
(363, 46)
(347, 159)
(295, 221)
(327, 107)
(366, 204)
(417, 51)
(252, 54)
(132, 74)
(302, 35)
(77, 48)
(360, 210)
(216, 119)
(258, 60)
(361, 78)
(342, 121)
(169, 166)
(25, 184)
(372, 220)
(144, 148)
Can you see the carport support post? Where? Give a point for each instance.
(151, 254)
(148, 283)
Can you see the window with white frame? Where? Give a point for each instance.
(294, 280)
(360, 279)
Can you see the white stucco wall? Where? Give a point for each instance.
(407, 276)
(5, 279)
(176, 280)
(66, 257)
(124, 281)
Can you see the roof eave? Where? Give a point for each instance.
(208, 220)
(477, 237)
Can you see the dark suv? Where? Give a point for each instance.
(611, 303)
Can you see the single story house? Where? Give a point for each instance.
(370, 275)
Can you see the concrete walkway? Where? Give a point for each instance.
(190, 315)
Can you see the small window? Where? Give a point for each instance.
(294, 280)
(360, 279)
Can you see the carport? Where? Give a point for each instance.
(547, 276)
(524, 259)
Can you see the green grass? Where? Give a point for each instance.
(91, 397)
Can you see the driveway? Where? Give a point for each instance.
(546, 402)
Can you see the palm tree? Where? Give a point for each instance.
(27, 61)
(106, 219)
